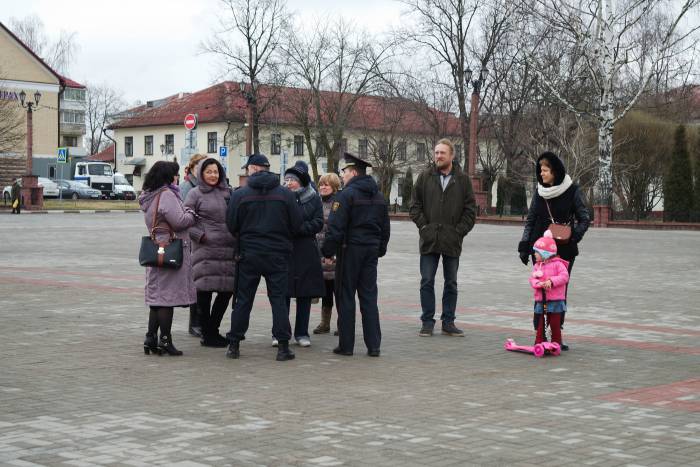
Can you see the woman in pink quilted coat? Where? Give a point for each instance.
(548, 279)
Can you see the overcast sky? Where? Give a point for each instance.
(149, 48)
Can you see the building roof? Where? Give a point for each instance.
(224, 102)
(106, 155)
(69, 83)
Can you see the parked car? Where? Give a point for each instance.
(122, 187)
(77, 190)
(50, 189)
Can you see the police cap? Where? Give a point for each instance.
(354, 161)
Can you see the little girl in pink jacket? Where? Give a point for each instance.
(549, 278)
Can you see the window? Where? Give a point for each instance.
(170, 144)
(211, 142)
(148, 145)
(420, 152)
(401, 151)
(70, 141)
(72, 116)
(320, 149)
(362, 147)
(383, 149)
(342, 148)
(128, 146)
(100, 169)
(72, 94)
(52, 172)
(275, 144)
(458, 151)
(298, 145)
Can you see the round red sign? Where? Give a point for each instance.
(190, 121)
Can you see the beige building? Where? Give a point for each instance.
(21, 70)
(156, 131)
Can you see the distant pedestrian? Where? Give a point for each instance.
(16, 196)
(560, 200)
(444, 210)
(166, 288)
(305, 273)
(548, 279)
(190, 181)
(358, 234)
(265, 217)
(328, 186)
(213, 247)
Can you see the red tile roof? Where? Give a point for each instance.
(69, 83)
(224, 102)
(106, 155)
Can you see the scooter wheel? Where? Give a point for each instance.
(538, 350)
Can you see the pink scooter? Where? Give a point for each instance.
(538, 350)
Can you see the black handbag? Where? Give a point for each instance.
(167, 254)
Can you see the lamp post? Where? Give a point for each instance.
(162, 150)
(31, 192)
(250, 110)
(479, 194)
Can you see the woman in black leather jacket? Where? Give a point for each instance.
(556, 191)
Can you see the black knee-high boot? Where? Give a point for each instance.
(150, 344)
(165, 321)
(195, 326)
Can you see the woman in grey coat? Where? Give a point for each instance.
(166, 288)
(213, 247)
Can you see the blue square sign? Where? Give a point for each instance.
(62, 155)
(223, 151)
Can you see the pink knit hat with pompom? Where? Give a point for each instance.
(546, 244)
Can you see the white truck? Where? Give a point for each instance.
(97, 175)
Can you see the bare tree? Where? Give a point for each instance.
(605, 35)
(101, 103)
(58, 54)
(12, 129)
(247, 44)
(339, 65)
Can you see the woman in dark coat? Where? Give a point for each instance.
(328, 186)
(305, 273)
(166, 288)
(213, 247)
(556, 193)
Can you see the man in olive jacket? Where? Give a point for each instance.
(444, 209)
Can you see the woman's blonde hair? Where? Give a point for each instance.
(330, 179)
(194, 160)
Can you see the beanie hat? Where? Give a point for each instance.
(301, 173)
(291, 176)
(545, 245)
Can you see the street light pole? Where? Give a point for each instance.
(30, 189)
(250, 109)
(480, 195)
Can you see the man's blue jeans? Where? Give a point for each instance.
(428, 268)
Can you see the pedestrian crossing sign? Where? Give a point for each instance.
(62, 155)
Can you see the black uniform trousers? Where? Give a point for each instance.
(274, 268)
(357, 272)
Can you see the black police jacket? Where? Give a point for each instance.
(359, 216)
(264, 215)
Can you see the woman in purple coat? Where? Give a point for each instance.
(213, 247)
(166, 288)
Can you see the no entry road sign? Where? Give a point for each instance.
(190, 121)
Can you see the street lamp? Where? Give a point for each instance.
(162, 150)
(480, 195)
(32, 195)
(250, 110)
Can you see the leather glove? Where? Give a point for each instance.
(524, 257)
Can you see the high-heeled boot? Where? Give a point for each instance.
(166, 346)
(150, 344)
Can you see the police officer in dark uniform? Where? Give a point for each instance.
(265, 217)
(358, 234)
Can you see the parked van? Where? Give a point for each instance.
(122, 188)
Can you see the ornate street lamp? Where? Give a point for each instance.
(250, 109)
(481, 196)
(32, 195)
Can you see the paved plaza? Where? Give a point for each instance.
(76, 388)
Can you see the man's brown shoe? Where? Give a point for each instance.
(449, 329)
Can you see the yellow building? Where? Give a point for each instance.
(22, 70)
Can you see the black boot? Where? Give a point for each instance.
(234, 350)
(150, 344)
(166, 346)
(283, 352)
(195, 328)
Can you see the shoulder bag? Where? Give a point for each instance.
(167, 254)
(560, 232)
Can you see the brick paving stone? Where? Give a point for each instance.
(76, 389)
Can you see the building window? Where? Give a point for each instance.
(420, 152)
(148, 145)
(275, 144)
(70, 141)
(320, 149)
(298, 145)
(458, 151)
(72, 116)
(52, 172)
(401, 151)
(211, 142)
(170, 144)
(342, 148)
(362, 147)
(128, 146)
(72, 94)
